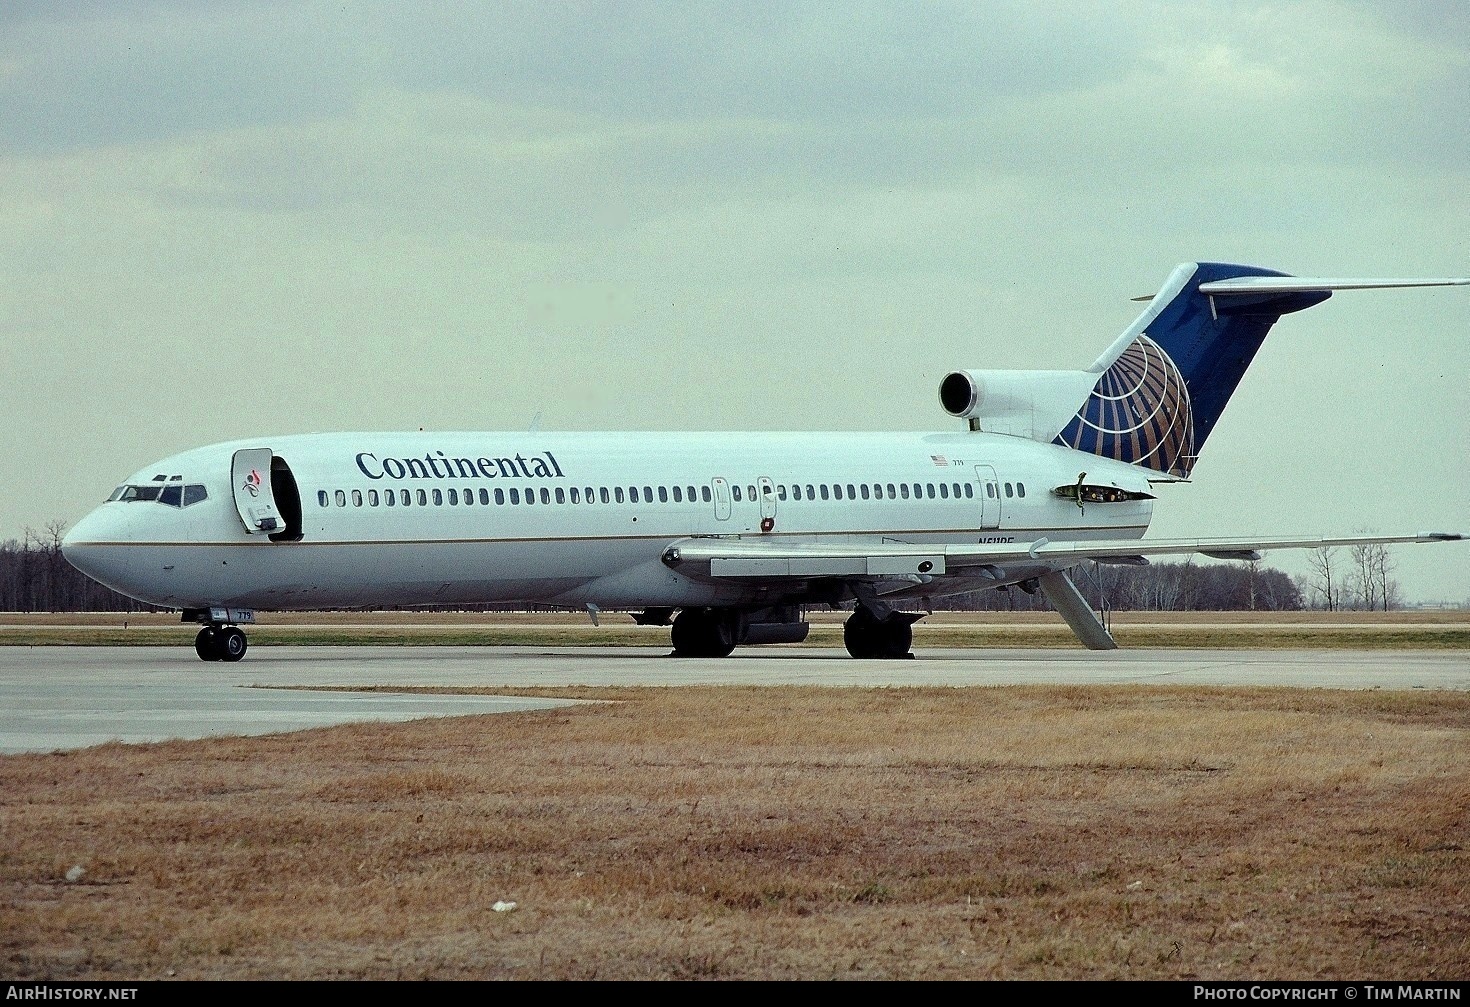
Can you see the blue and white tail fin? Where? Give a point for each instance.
(1162, 385)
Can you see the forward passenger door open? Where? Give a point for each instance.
(266, 495)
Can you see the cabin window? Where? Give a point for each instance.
(969, 491)
(515, 496)
(823, 488)
(837, 491)
(618, 494)
(648, 494)
(735, 493)
(561, 495)
(796, 491)
(892, 492)
(438, 499)
(421, 498)
(357, 498)
(944, 491)
(903, 490)
(865, 491)
(990, 490)
(632, 494)
(372, 498)
(704, 494)
(930, 488)
(693, 496)
(602, 494)
(390, 498)
(485, 498)
(499, 497)
(1020, 489)
(453, 497)
(589, 494)
(341, 496)
(781, 492)
(678, 495)
(663, 494)
(1008, 490)
(576, 495)
(321, 498)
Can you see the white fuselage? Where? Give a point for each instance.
(602, 510)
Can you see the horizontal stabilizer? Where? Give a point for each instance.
(1302, 284)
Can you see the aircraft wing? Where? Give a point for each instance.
(775, 559)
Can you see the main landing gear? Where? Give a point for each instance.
(715, 632)
(867, 636)
(705, 632)
(223, 643)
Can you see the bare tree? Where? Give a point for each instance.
(1323, 562)
(1365, 584)
(1381, 564)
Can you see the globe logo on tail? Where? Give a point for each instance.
(1138, 412)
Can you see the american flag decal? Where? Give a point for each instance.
(939, 461)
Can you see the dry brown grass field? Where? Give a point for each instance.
(766, 833)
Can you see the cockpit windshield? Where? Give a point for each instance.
(173, 493)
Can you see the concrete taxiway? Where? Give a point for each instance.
(55, 698)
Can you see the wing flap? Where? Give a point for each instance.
(879, 566)
(774, 559)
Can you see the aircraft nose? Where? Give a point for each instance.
(78, 535)
(86, 545)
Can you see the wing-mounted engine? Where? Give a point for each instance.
(1031, 404)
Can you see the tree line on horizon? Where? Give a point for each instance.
(35, 577)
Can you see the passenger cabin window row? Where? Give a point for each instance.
(532, 495)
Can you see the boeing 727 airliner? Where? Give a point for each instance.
(728, 536)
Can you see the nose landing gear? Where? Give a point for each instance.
(227, 643)
(219, 641)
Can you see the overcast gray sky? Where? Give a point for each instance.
(239, 218)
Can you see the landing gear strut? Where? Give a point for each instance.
(867, 636)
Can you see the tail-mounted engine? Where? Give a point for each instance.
(1034, 404)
